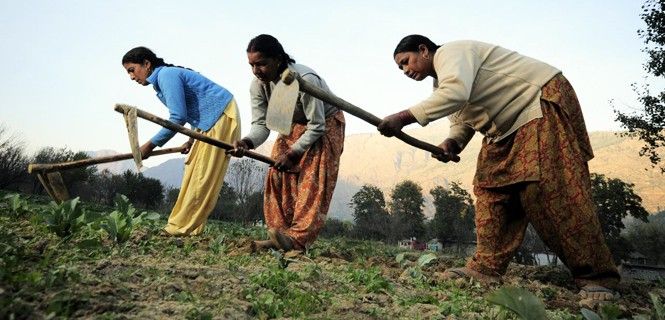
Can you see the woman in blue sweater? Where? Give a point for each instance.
(207, 107)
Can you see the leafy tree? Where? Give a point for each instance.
(254, 207)
(13, 161)
(335, 228)
(104, 186)
(454, 216)
(246, 178)
(531, 245)
(171, 196)
(226, 208)
(370, 217)
(648, 123)
(648, 238)
(615, 200)
(141, 190)
(406, 209)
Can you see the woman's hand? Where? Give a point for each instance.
(146, 149)
(239, 148)
(187, 146)
(393, 124)
(287, 161)
(451, 150)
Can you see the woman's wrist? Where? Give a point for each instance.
(248, 143)
(406, 117)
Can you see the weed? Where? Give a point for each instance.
(419, 297)
(184, 296)
(276, 280)
(217, 245)
(613, 312)
(275, 293)
(658, 307)
(188, 248)
(65, 303)
(197, 313)
(60, 276)
(371, 278)
(313, 272)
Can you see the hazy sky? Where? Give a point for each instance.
(62, 72)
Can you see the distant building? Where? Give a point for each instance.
(546, 259)
(637, 258)
(412, 244)
(630, 271)
(434, 245)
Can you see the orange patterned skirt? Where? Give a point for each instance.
(539, 175)
(297, 203)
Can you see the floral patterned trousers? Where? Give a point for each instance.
(297, 203)
(539, 175)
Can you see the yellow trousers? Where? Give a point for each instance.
(205, 168)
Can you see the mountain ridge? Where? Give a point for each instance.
(370, 158)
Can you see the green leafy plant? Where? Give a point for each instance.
(371, 278)
(217, 245)
(120, 223)
(606, 312)
(415, 270)
(198, 313)
(275, 293)
(612, 311)
(282, 260)
(520, 301)
(658, 307)
(118, 226)
(64, 219)
(17, 205)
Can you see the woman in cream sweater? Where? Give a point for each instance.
(532, 167)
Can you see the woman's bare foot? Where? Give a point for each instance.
(259, 245)
(592, 295)
(466, 273)
(280, 240)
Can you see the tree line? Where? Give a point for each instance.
(241, 197)
(626, 225)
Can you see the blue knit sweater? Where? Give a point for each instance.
(190, 97)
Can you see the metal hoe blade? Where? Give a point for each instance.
(281, 105)
(54, 186)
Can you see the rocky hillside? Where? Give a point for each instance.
(374, 159)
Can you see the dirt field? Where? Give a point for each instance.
(215, 276)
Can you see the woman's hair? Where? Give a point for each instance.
(141, 54)
(410, 43)
(270, 47)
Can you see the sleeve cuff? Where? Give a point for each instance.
(461, 134)
(249, 142)
(297, 148)
(420, 115)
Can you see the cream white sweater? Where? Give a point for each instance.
(485, 88)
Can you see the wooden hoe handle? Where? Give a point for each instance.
(50, 167)
(360, 113)
(191, 133)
